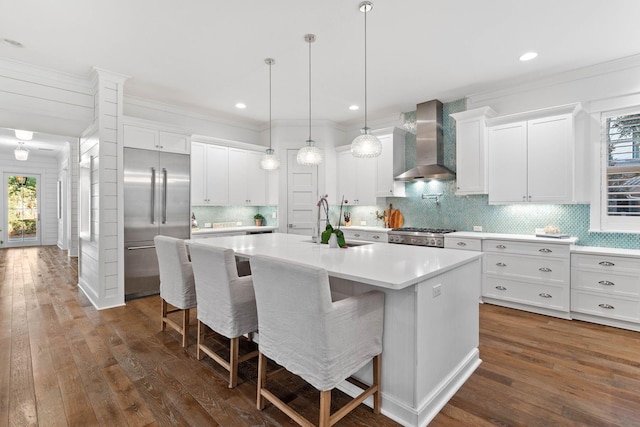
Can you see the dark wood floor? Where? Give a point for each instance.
(64, 363)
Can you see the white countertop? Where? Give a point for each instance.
(513, 237)
(222, 230)
(596, 250)
(379, 264)
(366, 228)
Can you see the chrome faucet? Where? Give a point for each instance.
(322, 203)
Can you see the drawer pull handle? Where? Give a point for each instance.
(606, 283)
(461, 244)
(607, 306)
(545, 269)
(545, 295)
(545, 250)
(376, 237)
(606, 263)
(501, 264)
(501, 247)
(501, 288)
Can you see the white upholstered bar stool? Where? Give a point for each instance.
(321, 341)
(226, 303)
(177, 287)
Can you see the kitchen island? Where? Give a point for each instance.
(430, 341)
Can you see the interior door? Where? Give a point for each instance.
(302, 196)
(22, 195)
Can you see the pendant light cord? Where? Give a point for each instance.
(310, 40)
(270, 63)
(365, 67)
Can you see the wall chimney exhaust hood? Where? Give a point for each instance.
(429, 145)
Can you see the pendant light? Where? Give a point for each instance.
(366, 145)
(309, 155)
(269, 161)
(21, 152)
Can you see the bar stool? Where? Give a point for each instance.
(177, 286)
(323, 342)
(226, 303)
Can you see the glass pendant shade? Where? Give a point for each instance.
(309, 155)
(21, 152)
(366, 145)
(23, 135)
(269, 161)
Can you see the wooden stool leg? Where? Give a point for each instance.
(233, 362)
(185, 327)
(199, 354)
(262, 380)
(377, 372)
(325, 409)
(163, 314)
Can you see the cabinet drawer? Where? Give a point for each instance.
(461, 243)
(527, 268)
(369, 236)
(539, 249)
(606, 263)
(605, 305)
(540, 295)
(605, 282)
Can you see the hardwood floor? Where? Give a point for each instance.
(64, 363)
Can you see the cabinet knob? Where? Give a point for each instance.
(524, 198)
(545, 250)
(606, 263)
(545, 295)
(501, 288)
(606, 306)
(606, 283)
(461, 244)
(501, 264)
(529, 197)
(356, 235)
(545, 269)
(376, 237)
(501, 247)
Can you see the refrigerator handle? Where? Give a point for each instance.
(153, 195)
(164, 196)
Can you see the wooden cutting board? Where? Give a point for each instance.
(396, 219)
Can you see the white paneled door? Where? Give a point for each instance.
(302, 196)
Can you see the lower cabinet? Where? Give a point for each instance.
(465, 244)
(528, 276)
(606, 289)
(368, 235)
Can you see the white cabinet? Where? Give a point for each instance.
(471, 151)
(390, 164)
(605, 289)
(532, 160)
(366, 235)
(209, 174)
(463, 243)
(528, 276)
(150, 138)
(247, 181)
(356, 179)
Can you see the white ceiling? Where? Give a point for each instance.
(42, 145)
(209, 54)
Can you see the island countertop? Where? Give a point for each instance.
(380, 264)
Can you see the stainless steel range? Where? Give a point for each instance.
(419, 236)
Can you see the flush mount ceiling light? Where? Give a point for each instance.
(241, 106)
(528, 56)
(21, 152)
(269, 161)
(309, 155)
(23, 135)
(366, 145)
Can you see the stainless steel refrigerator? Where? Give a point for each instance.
(156, 201)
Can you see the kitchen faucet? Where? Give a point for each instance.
(322, 203)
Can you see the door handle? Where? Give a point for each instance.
(164, 195)
(135, 248)
(153, 195)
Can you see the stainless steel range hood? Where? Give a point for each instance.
(429, 145)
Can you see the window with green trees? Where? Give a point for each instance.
(22, 208)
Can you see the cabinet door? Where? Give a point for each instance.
(198, 174)
(217, 173)
(550, 159)
(470, 157)
(238, 177)
(384, 176)
(174, 142)
(367, 170)
(347, 173)
(138, 137)
(508, 163)
(256, 179)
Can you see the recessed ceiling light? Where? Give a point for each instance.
(528, 56)
(353, 107)
(241, 105)
(12, 43)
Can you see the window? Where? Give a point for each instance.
(621, 171)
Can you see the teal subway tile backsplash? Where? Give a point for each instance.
(243, 214)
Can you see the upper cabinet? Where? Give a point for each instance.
(209, 174)
(151, 138)
(247, 181)
(390, 164)
(471, 151)
(356, 179)
(532, 157)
